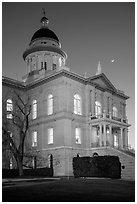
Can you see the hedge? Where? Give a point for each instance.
(99, 166)
(12, 173)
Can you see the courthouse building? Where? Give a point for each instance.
(72, 115)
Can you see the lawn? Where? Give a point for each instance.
(73, 190)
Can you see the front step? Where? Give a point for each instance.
(127, 160)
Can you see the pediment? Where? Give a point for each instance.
(103, 82)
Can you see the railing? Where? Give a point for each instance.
(124, 121)
(97, 144)
(93, 117)
(116, 118)
(96, 117)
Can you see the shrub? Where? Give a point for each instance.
(11, 173)
(99, 166)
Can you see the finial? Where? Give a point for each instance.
(85, 75)
(98, 68)
(44, 20)
(43, 11)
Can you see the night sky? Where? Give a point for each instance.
(89, 32)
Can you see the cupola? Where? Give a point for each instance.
(44, 53)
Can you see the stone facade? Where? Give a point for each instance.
(87, 113)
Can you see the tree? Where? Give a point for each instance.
(16, 121)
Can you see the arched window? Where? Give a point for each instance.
(9, 108)
(77, 104)
(50, 104)
(78, 135)
(115, 112)
(78, 155)
(10, 134)
(50, 160)
(11, 163)
(34, 109)
(98, 108)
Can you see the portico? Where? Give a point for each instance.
(109, 132)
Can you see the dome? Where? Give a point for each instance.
(44, 32)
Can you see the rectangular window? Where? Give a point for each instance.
(45, 64)
(42, 65)
(54, 66)
(34, 139)
(34, 109)
(9, 108)
(78, 135)
(60, 62)
(115, 141)
(50, 136)
(50, 104)
(77, 104)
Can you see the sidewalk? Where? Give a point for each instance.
(7, 180)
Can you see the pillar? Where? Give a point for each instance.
(90, 139)
(124, 111)
(104, 135)
(108, 105)
(29, 66)
(93, 102)
(121, 138)
(126, 138)
(26, 66)
(36, 62)
(110, 136)
(90, 102)
(100, 135)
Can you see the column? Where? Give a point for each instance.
(104, 135)
(36, 62)
(30, 62)
(102, 100)
(107, 105)
(26, 60)
(29, 70)
(90, 139)
(104, 113)
(126, 138)
(124, 110)
(121, 112)
(100, 135)
(93, 102)
(90, 102)
(111, 107)
(121, 138)
(110, 136)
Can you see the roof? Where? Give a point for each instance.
(44, 32)
(107, 86)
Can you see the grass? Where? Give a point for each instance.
(73, 190)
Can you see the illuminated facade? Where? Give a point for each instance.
(71, 114)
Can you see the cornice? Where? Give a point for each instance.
(13, 83)
(56, 75)
(43, 48)
(65, 73)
